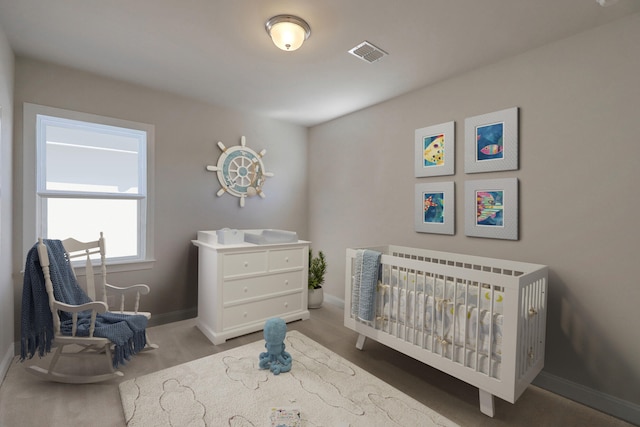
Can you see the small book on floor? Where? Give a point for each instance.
(285, 417)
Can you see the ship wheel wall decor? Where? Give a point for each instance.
(240, 171)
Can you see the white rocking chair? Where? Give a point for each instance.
(91, 345)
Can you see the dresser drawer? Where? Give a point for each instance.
(261, 310)
(282, 259)
(244, 263)
(240, 289)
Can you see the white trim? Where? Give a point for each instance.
(120, 266)
(30, 197)
(335, 301)
(172, 317)
(5, 364)
(603, 402)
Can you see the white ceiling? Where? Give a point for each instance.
(218, 51)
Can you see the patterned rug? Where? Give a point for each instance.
(228, 389)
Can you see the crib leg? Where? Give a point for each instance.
(360, 342)
(487, 406)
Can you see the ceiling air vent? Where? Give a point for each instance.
(368, 52)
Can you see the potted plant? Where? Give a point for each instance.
(317, 270)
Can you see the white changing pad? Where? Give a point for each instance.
(270, 236)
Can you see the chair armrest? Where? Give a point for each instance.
(143, 289)
(95, 307)
(139, 289)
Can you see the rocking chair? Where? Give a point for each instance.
(66, 322)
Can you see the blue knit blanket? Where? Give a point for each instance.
(365, 282)
(126, 332)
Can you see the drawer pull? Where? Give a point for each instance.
(286, 283)
(245, 289)
(244, 314)
(286, 304)
(246, 263)
(286, 259)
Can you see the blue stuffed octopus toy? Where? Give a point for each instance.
(275, 358)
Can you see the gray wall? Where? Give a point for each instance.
(186, 133)
(579, 126)
(6, 170)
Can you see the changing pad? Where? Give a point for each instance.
(270, 236)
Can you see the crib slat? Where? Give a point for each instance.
(478, 319)
(491, 320)
(454, 314)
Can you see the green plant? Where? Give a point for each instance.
(317, 270)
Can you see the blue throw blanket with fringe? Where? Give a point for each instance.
(126, 332)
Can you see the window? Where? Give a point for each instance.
(92, 174)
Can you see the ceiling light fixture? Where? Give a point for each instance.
(288, 32)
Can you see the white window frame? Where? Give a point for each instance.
(34, 223)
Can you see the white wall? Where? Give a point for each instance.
(6, 169)
(579, 100)
(186, 134)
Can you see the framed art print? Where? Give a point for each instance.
(491, 142)
(435, 150)
(434, 208)
(491, 208)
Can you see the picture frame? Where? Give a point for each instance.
(435, 150)
(491, 141)
(491, 208)
(435, 208)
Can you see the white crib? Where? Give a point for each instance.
(481, 320)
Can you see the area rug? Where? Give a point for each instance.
(228, 389)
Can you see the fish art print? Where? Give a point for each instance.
(433, 208)
(433, 150)
(490, 208)
(490, 142)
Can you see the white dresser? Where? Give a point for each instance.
(242, 285)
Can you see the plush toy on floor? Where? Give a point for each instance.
(275, 358)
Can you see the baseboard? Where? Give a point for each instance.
(5, 364)
(603, 402)
(330, 299)
(173, 316)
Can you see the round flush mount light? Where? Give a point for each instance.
(288, 32)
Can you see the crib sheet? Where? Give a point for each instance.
(472, 293)
(460, 320)
(454, 323)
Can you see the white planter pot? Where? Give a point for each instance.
(316, 296)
